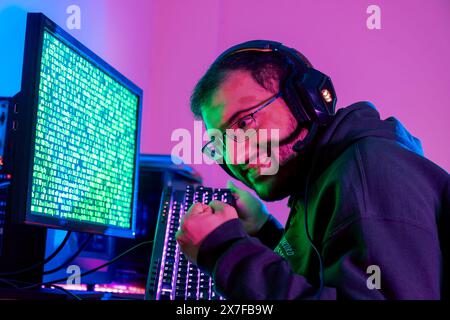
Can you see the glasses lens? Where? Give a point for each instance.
(214, 149)
(240, 135)
(243, 129)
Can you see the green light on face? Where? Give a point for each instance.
(85, 144)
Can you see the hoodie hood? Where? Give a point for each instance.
(361, 120)
(350, 124)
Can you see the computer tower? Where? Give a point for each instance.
(21, 246)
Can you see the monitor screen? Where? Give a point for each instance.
(84, 136)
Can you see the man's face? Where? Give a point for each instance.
(234, 99)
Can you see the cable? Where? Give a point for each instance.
(302, 147)
(314, 157)
(308, 235)
(94, 269)
(66, 291)
(72, 257)
(43, 262)
(5, 184)
(9, 282)
(12, 284)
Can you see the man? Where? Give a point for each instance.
(369, 214)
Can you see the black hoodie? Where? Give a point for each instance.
(377, 212)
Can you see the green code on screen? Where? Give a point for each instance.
(85, 145)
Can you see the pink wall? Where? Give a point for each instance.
(166, 45)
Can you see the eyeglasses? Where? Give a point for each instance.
(239, 131)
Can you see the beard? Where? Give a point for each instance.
(280, 185)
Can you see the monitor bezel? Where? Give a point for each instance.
(25, 115)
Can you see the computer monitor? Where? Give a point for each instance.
(75, 137)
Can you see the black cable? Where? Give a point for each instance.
(308, 235)
(12, 284)
(313, 134)
(5, 184)
(302, 147)
(9, 282)
(94, 269)
(66, 291)
(72, 257)
(43, 262)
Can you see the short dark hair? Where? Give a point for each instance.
(263, 66)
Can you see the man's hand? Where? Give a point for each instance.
(199, 221)
(251, 211)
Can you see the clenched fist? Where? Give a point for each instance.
(200, 221)
(251, 211)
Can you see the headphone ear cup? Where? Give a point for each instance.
(297, 100)
(310, 96)
(320, 93)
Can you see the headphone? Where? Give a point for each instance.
(308, 93)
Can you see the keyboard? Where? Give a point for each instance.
(171, 275)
